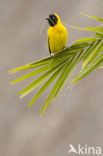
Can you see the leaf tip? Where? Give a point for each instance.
(28, 106)
(20, 97)
(11, 83)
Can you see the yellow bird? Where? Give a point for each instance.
(57, 34)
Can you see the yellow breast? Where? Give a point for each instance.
(57, 38)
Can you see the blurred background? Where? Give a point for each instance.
(77, 115)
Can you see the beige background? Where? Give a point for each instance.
(77, 115)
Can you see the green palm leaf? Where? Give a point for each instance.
(97, 29)
(37, 82)
(93, 17)
(32, 65)
(86, 40)
(59, 67)
(65, 53)
(66, 73)
(93, 53)
(52, 93)
(47, 83)
(89, 69)
(99, 35)
(51, 65)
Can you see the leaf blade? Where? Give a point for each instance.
(52, 93)
(88, 70)
(32, 65)
(47, 83)
(52, 64)
(93, 17)
(58, 83)
(97, 29)
(93, 53)
(67, 74)
(86, 40)
(37, 82)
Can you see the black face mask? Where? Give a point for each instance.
(52, 20)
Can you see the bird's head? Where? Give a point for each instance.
(53, 19)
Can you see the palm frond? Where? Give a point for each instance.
(99, 35)
(93, 53)
(88, 69)
(93, 17)
(47, 83)
(95, 29)
(59, 67)
(86, 40)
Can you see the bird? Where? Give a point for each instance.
(57, 34)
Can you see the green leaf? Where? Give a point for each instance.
(37, 82)
(35, 72)
(101, 67)
(88, 69)
(87, 51)
(61, 55)
(97, 29)
(60, 81)
(86, 40)
(93, 17)
(79, 46)
(52, 64)
(32, 65)
(66, 73)
(52, 93)
(47, 83)
(64, 53)
(99, 35)
(93, 53)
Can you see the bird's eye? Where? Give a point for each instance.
(53, 17)
(53, 20)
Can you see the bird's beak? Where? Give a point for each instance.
(47, 18)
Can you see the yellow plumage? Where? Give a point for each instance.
(57, 36)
